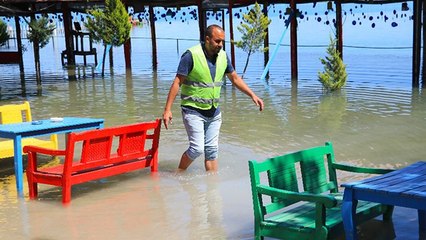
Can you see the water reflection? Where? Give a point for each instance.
(376, 120)
(205, 203)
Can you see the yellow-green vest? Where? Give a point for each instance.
(199, 90)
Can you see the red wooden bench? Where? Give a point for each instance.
(97, 159)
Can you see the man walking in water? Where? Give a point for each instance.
(200, 74)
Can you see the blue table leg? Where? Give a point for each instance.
(422, 224)
(17, 148)
(348, 214)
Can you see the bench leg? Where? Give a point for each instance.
(32, 187)
(66, 193)
(154, 164)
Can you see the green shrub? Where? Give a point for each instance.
(4, 35)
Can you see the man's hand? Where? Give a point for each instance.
(167, 118)
(258, 102)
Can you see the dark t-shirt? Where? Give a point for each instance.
(185, 67)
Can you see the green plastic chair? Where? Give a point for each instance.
(295, 196)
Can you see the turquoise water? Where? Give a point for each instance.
(377, 120)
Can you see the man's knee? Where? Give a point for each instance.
(194, 152)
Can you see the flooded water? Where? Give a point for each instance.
(377, 120)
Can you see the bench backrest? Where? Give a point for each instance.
(316, 174)
(15, 113)
(97, 145)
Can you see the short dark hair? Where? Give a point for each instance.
(209, 30)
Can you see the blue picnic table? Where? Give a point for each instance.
(17, 131)
(405, 187)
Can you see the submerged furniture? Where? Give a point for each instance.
(404, 187)
(137, 148)
(19, 132)
(79, 50)
(295, 196)
(18, 113)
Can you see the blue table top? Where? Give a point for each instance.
(30, 127)
(408, 181)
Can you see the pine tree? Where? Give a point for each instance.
(253, 29)
(4, 36)
(334, 75)
(111, 26)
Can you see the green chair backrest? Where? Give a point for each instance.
(316, 172)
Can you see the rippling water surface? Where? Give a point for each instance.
(377, 120)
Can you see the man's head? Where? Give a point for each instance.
(215, 36)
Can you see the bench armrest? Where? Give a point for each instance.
(41, 150)
(356, 169)
(326, 200)
(32, 155)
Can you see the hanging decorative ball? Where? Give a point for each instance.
(353, 22)
(394, 24)
(319, 19)
(373, 25)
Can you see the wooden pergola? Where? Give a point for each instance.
(17, 8)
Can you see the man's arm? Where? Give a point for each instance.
(173, 92)
(242, 86)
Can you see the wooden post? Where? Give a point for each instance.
(153, 38)
(69, 44)
(128, 50)
(231, 31)
(223, 25)
(416, 42)
(201, 20)
(339, 28)
(293, 42)
(424, 45)
(266, 41)
(19, 43)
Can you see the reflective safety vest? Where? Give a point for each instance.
(199, 90)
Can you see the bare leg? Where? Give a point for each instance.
(211, 165)
(185, 161)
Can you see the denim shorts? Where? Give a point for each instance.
(203, 134)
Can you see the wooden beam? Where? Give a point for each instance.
(19, 43)
(69, 44)
(293, 41)
(416, 41)
(424, 50)
(153, 38)
(231, 31)
(339, 27)
(128, 50)
(266, 41)
(201, 20)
